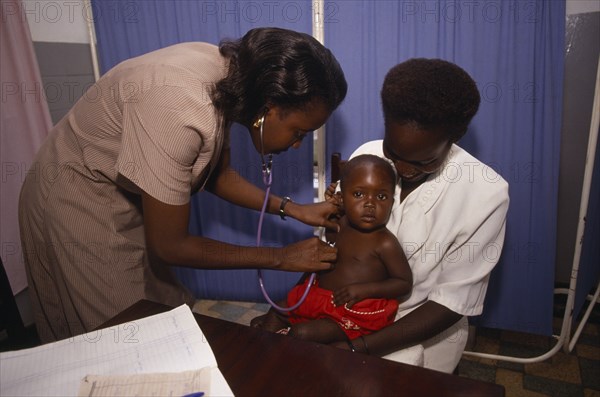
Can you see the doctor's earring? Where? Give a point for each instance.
(259, 122)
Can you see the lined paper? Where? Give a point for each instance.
(166, 342)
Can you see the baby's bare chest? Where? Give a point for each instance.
(357, 262)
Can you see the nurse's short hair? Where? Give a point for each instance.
(279, 67)
(433, 93)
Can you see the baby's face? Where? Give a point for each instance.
(368, 196)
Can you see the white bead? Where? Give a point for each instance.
(365, 313)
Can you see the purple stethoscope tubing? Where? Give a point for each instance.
(267, 176)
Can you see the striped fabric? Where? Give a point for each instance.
(147, 125)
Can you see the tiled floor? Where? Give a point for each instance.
(237, 312)
(563, 375)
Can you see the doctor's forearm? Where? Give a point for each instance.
(204, 253)
(167, 237)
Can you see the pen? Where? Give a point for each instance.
(197, 394)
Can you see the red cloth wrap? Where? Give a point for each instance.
(318, 304)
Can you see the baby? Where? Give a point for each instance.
(360, 295)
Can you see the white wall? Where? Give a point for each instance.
(582, 6)
(61, 21)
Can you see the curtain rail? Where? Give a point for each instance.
(319, 142)
(92, 35)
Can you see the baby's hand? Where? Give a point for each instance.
(349, 295)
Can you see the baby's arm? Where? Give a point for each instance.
(398, 283)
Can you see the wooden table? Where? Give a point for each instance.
(259, 363)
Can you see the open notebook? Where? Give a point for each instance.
(167, 350)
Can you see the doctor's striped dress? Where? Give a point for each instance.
(147, 125)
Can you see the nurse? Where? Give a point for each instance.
(449, 211)
(104, 209)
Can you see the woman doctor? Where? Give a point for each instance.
(104, 210)
(449, 211)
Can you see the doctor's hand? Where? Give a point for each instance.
(317, 214)
(330, 194)
(311, 255)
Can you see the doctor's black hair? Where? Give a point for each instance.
(433, 93)
(273, 66)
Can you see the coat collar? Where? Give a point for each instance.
(408, 220)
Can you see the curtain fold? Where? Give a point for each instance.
(24, 123)
(515, 52)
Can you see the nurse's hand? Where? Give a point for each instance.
(317, 214)
(311, 255)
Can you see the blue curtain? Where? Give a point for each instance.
(129, 28)
(513, 49)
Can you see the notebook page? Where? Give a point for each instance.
(166, 342)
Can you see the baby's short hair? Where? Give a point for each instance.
(432, 93)
(363, 159)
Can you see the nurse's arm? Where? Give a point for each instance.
(423, 323)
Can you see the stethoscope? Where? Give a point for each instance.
(267, 177)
